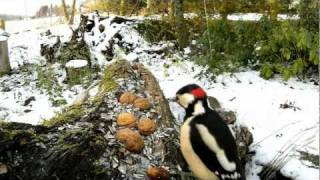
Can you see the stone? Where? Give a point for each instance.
(244, 139)
(146, 126)
(228, 116)
(126, 119)
(132, 141)
(142, 103)
(214, 103)
(3, 169)
(158, 173)
(101, 28)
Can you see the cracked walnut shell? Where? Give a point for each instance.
(146, 126)
(126, 119)
(142, 103)
(127, 98)
(158, 173)
(132, 141)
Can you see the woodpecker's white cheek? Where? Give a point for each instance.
(212, 144)
(185, 99)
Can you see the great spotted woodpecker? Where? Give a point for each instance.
(205, 140)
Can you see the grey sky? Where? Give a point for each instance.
(23, 7)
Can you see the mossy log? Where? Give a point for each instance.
(72, 144)
(80, 143)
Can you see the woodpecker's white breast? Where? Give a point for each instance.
(198, 168)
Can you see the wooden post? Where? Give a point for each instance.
(2, 24)
(4, 57)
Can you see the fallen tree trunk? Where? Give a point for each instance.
(81, 143)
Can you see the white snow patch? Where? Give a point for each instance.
(77, 63)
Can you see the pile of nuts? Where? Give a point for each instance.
(132, 140)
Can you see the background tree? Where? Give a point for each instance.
(69, 18)
(171, 9)
(73, 10)
(274, 7)
(181, 29)
(123, 7)
(150, 6)
(66, 16)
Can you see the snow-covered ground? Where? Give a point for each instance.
(279, 133)
(21, 86)
(260, 104)
(16, 26)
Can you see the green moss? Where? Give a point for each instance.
(115, 70)
(59, 102)
(118, 69)
(82, 76)
(2, 123)
(48, 83)
(74, 50)
(12, 134)
(155, 30)
(70, 114)
(80, 145)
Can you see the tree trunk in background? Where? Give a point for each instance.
(150, 6)
(66, 15)
(2, 24)
(123, 6)
(73, 11)
(274, 7)
(4, 58)
(171, 10)
(180, 24)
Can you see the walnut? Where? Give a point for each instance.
(146, 126)
(158, 173)
(126, 119)
(132, 141)
(142, 103)
(127, 98)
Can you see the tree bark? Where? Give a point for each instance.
(150, 6)
(171, 10)
(66, 15)
(2, 24)
(123, 7)
(274, 7)
(180, 24)
(4, 58)
(73, 11)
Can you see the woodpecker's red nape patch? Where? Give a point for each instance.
(199, 93)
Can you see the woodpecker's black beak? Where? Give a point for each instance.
(173, 99)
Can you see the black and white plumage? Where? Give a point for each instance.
(205, 140)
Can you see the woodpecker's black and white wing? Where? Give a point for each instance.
(213, 149)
